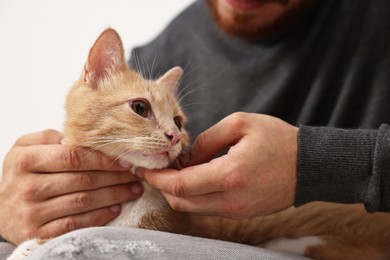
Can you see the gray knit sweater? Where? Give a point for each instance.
(330, 75)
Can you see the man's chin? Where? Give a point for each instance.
(239, 25)
(245, 30)
(252, 25)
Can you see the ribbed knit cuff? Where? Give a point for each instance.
(334, 165)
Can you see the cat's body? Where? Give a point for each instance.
(114, 110)
(336, 231)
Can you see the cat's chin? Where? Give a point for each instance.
(149, 161)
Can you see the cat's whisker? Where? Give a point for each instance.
(119, 156)
(88, 153)
(186, 106)
(185, 88)
(185, 76)
(191, 71)
(102, 143)
(138, 140)
(143, 71)
(139, 143)
(84, 146)
(186, 94)
(105, 138)
(136, 60)
(143, 60)
(188, 63)
(152, 70)
(92, 150)
(124, 139)
(134, 53)
(114, 160)
(183, 92)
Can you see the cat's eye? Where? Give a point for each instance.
(140, 107)
(177, 121)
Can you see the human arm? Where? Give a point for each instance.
(345, 166)
(48, 189)
(264, 171)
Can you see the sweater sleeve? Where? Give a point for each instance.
(344, 166)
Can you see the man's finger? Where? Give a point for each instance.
(44, 137)
(214, 140)
(96, 217)
(84, 201)
(194, 180)
(212, 204)
(63, 158)
(46, 185)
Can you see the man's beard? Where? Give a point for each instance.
(239, 25)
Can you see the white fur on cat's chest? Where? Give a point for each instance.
(133, 211)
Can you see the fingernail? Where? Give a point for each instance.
(124, 164)
(115, 208)
(136, 188)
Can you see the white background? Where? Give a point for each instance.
(44, 45)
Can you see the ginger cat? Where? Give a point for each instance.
(114, 110)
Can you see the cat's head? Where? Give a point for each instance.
(112, 109)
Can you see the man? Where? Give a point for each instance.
(303, 62)
(306, 62)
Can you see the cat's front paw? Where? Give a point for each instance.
(24, 249)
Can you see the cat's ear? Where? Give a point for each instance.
(106, 56)
(171, 78)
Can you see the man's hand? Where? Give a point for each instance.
(49, 189)
(256, 177)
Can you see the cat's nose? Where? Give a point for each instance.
(173, 136)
